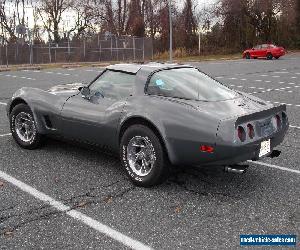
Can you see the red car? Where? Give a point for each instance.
(265, 50)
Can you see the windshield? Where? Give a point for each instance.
(188, 83)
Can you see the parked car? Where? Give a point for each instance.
(264, 51)
(154, 116)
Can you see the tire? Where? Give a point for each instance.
(23, 127)
(152, 153)
(248, 56)
(269, 56)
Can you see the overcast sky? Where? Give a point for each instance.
(68, 16)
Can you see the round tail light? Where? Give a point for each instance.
(278, 121)
(241, 133)
(284, 118)
(250, 131)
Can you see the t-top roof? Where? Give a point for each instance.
(134, 68)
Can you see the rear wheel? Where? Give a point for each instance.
(143, 156)
(23, 127)
(248, 56)
(269, 56)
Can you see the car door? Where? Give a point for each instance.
(95, 118)
(263, 51)
(255, 51)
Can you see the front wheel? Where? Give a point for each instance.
(248, 56)
(269, 56)
(143, 156)
(23, 127)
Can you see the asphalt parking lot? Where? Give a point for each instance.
(194, 209)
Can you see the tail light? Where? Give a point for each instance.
(284, 118)
(241, 133)
(206, 148)
(250, 131)
(276, 122)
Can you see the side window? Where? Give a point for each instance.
(265, 46)
(113, 84)
(257, 47)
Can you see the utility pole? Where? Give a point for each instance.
(171, 31)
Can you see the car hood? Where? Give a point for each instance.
(63, 89)
(242, 105)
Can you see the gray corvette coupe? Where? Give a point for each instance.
(155, 116)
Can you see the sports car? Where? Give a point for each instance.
(264, 51)
(155, 116)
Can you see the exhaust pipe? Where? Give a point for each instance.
(237, 169)
(275, 153)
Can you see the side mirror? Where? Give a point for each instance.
(85, 92)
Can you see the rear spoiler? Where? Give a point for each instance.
(261, 114)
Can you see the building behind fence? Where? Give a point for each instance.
(87, 49)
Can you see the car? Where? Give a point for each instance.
(155, 116)
(264, 51)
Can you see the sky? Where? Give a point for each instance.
(69, 16)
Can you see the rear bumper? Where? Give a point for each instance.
(229, 155)
(224, 154)
(278, 54)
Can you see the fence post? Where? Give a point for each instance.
(111, 48)
(84, 48)
(49, 52)
(143, 49)
(69, 50)
(6, 54)
(117, 47)
(99, 47)
(30, 57)
(55, 53)
(133, 43)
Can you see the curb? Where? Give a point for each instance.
(29, 68)
(5, 69)
(67, 66)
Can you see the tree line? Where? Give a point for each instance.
(224, 26)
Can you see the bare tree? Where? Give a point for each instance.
(7, 23)
(50, 12)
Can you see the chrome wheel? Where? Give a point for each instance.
(25, 127)
(141, 155)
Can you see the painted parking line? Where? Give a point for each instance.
(4, 135)
(297, 127)
(275, 166)
(96, 225)
(22, 77)
(3, 103)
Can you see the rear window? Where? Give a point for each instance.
(188, 83)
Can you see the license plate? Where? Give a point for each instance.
(265, 148)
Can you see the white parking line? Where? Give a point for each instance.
(274, 166)
(22, 77)
(2, 103)
(291, 126)
(98, 226)
(5, 135)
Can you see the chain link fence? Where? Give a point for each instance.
(95, 48)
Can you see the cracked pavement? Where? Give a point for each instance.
(196, 208)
